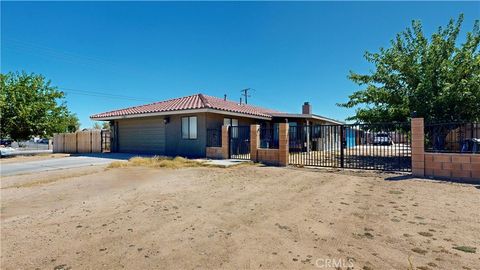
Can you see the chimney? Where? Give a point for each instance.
(240, 101)
(306, 108)
(225, 97)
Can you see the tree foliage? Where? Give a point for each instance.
(30, 106)
(435, 78)
(102, 125)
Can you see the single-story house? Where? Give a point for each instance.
(179, 126)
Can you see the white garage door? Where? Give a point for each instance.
(141, 136)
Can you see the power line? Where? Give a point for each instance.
(64, 56)
(100, 94)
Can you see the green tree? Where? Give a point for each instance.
(436, 78)
(30, 106)
(103, 125)
(106, 125)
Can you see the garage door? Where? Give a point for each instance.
(141, 136)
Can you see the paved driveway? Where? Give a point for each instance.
(61, 163)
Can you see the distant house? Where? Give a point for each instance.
(179, 126)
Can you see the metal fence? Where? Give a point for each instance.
(106, 140)
(214, 137)
(269, 137)
(378, 146)
(356, 146)
(239, 137)
(458, 137)
(30, 145)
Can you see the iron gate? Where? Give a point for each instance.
(383, 146)
(239, 137)
(106, 139)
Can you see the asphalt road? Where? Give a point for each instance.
(60, 163)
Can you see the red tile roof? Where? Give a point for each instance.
(198, 101)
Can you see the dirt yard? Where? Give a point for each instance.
(237, 218)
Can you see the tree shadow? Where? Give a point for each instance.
(475, 183)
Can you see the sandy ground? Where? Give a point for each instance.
(236, 218)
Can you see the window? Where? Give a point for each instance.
(233, 123)
(227, 121)
(189, 127)
(230, 122)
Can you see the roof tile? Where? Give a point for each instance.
(198, 101)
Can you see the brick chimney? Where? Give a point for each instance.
(306, 108)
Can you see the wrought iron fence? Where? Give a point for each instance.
(239, 140)
(106, 140)
(378, 146)
(269, 138)
(214, 137)
(457, 137)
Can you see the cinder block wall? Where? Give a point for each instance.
(465, 167)
(277, 157)
(214, 152)
(220, 152)
(457, 166)
(268, 156)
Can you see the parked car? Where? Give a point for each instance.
(382, 139)
(471, 146)
(6, 142)
(44, 141)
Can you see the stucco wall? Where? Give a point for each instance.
(216, 120)
(177, 146)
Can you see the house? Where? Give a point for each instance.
(179, 126)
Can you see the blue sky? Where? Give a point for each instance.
(150, 51)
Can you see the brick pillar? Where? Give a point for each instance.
(418, 153)
(283, 144)
(225, 142)
(254, 142)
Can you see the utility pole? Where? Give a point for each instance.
(245, 94)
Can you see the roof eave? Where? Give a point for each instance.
(188, 111)
(308, 116)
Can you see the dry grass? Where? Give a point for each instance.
(159, 162)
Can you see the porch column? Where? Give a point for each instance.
(225, 142)
(254, 141)
(418, 147)
(283, 144)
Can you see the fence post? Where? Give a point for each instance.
(91, 141)
(283, 144)
(225, 142)
(254, 140)
(342, 146)
(418, 147)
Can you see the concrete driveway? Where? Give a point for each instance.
(61, 163)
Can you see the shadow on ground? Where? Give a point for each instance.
(475, 183)
(117, 156)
